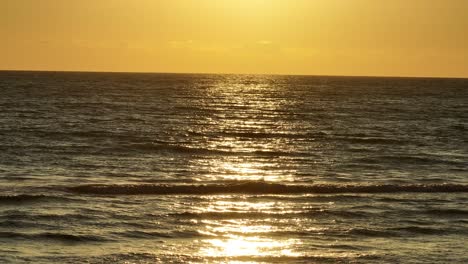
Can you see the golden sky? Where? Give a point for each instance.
(317, 37)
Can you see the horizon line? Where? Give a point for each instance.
(228, 73)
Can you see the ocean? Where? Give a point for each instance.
(199, 168)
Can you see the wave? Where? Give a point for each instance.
(371, 140)
(138, 234)
(23, 216)
(261, 135)
(261, 188)
(322, 135)
(27, 198)
(187, 150)
(403, 231)
(272, 258)
(448, 212)
(406, 159)
(179, 257)
(62, 237)
(318, 212)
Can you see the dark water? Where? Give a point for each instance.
(149, 168)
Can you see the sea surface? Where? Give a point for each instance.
(180, 168)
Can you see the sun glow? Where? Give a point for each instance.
(237, 36)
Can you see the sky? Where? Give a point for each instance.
(306, 37)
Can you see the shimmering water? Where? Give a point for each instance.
(171, 168)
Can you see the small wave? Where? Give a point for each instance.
(447, 212)
(320, 258)
(62, 237)
(423, 230)
(17, 215)
(319, 212)
(155, 234)
(371, 140)
(403, 231)
(143, 234)
(178, 257)
(412, 160)
(187, 150)
(261, 188)
(371, 232)
(274, 135)
(27, 198)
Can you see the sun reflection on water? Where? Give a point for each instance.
(236, 227)
(242, 129)
(241, 170)
(243, 236)
(244, 246)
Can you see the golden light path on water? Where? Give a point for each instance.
(243, 238)
(239, 170)
(248, 246)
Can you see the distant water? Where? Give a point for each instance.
(172, 168)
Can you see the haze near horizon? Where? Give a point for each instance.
(332, 37)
